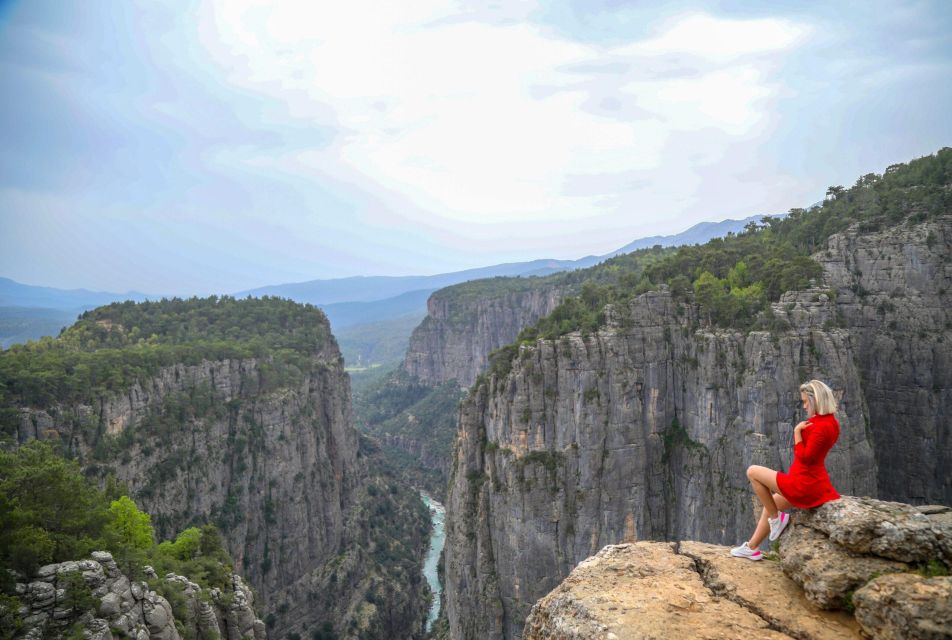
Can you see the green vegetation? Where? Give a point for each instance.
(50, 513)
(675, 437)
(932, 569)
(382, 564)
(380, 397)
(733, 279)
(398, 406)
(111, 347)
(382, 342)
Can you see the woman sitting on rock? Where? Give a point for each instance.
(807, 484)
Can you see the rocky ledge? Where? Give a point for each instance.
(94, 600)
(687, 590)
(853, 568)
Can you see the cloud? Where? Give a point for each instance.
(721, 39)
(448, 115)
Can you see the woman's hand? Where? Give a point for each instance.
(797, 437)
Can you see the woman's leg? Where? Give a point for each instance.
(764, 482)
(763, 527)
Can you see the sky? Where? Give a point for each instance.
(219, 145)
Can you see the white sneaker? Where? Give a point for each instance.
(778, 524)
(743, 551)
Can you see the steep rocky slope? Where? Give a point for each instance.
(268, 452)
(893, 293)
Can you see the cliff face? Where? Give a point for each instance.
(274, 463)
(458, 333)
(641, 432)
(893, 292)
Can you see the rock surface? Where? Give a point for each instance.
(886, 529)
(844, 554)
(906, 607)
(656, 590)
(123, 608)
(893, 292)
(827, 572)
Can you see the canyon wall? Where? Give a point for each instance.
(643, 429)
(273, 461)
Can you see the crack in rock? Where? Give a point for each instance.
(712, 581)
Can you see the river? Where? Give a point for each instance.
(437, 516)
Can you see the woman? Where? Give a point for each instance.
(807, 485)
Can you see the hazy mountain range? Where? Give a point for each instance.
(355, 305)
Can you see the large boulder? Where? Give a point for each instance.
(827, 572)
(906, 607)
(886, 529)
(158, 617)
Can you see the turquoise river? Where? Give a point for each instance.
(438, 537)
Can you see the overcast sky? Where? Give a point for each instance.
(213, 146)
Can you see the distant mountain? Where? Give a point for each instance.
(15, 294)
(698, 234)
(346, 314)
(372, 288)
(21, 324)
(29, 312)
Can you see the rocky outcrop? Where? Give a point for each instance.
(691, 590)
(640, 431)
(697, 590)
(886, 529)
(901, 606)
(461, 327)
(841, 546)
(894, 293)
(94, 598)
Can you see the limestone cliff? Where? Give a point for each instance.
(640, 431)
(459, 331)
(894, 293)
(94, 599)
(272, 458)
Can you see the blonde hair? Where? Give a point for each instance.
(820, 395)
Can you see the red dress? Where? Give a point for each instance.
(807, 484)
